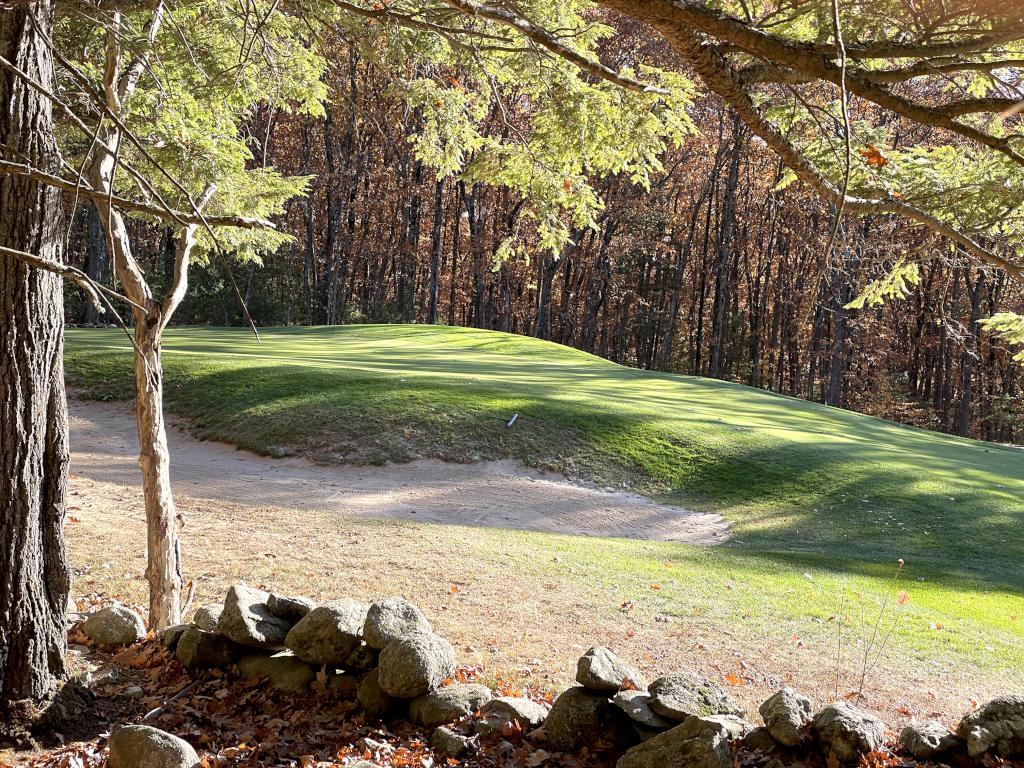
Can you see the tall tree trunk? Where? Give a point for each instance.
(34, 577)
(97, 264)
(435, 251)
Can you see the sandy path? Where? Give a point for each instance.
(501, 494)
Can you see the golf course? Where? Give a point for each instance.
(821, 503)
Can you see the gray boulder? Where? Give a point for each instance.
(683, 694)
(847, 731)
(208, 617)
(759, 740)
(580, 717)
(601, 670)
(283, 671)
(448, 704)
(389, 619)
(201, 650)
(450, 745)
(376, 703)
(114, 625)
(415, 664)
(139, 746)
(328, 633)
(786, 715)
(503, 711)
(697, 743)
(636, 704)
(170, 636)
(929, 740)
(247, 621)
(291, 609)
(996, 727)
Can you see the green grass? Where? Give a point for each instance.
(811, 491)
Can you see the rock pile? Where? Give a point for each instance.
(386, 655)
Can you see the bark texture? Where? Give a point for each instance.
(34, 578)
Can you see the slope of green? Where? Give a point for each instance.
(811, 491)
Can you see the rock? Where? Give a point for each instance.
(114, 625)
(291, 609)
(697, 743)
(284, 671)
(208, 617)
(580, 716)
(134, 692)
(928, 740)
(450, 745)
(380, 750)
(996, 727)
(376, 703)
(760, 740)
(247, 621)
(786, 715)
(199, 650)
(362, 659)
(500, 711)
(847, 731)
(736, 726)
(448, 704)
(601, 670)
(644, 733)
(681, 695)
(328, 633)
(170, 636)
(415, 664)
(389, 619)
(636, 704)
(139, 746)
(101, 677)
(342, 682)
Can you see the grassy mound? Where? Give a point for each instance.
(810, 491)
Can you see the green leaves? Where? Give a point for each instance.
(1010, 328)
(894, 285)
(195, 95)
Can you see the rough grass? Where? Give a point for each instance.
(822, 501)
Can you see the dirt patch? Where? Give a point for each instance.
(496, 494)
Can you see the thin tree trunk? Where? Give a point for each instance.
(162, 520)
(435, 251)
(34, 577)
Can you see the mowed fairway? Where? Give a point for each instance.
(822, 502)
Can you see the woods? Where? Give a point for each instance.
(720, 269)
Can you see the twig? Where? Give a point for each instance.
(163, 707)
(75, 275)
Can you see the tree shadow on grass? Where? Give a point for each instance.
(802, 485)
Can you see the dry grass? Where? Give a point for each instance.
(518, 604)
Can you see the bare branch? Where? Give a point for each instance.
(78, 277)
(182, 258)
(124, 204)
